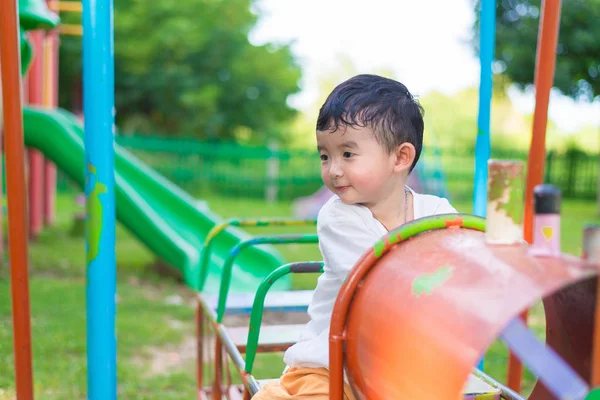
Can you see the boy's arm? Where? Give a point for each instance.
(343, 240)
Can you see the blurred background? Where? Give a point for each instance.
(221, 98)
(214, 93)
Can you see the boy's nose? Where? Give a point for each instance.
(335, 171)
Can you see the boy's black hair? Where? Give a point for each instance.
(383, 104)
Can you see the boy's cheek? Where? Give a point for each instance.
(366, 181)
(326, 180)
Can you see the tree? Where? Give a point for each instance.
(578, 51)
(187, 68)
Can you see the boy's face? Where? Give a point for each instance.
(355, 166)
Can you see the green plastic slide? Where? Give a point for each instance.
(170, 222)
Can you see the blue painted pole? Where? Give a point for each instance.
(487, 33)
(98, 106)
(483, 146)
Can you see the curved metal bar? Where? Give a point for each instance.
(258, 306)
(208, 241)
(363, 266)
(507, 393)
(238, 222)
(556, 374)
(228, 265)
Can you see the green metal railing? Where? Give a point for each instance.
(259, 302)
(242, 222)
(233, 253)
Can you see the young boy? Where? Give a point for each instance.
(369, 136)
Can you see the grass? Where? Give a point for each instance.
(154, 313)
(144, 320)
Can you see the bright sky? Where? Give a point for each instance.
(424, 42)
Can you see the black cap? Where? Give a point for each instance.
(547, 199)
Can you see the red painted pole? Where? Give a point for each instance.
(50, 101)
(544, 79)
(36, 159)
(1, 206)
(16, 196)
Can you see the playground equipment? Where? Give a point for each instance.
(16, 196)
(450, 305)
(216, 338)
(441, 311)
(165, 218)
(449, 289)
(34, 14)
(161, 215)
(470, 290)
(212, 332)
(41, 82)
(487, 32)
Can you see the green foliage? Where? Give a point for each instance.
(450, 126)
(578, 51)
(188, 68)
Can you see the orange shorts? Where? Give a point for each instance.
(301, 383)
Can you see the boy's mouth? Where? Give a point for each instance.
(341, 188)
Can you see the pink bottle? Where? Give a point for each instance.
(546, 221)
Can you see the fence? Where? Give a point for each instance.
(574, 171)
(234, 170)
(226, 169)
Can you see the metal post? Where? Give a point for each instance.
(16, 196)
(272, 172)
(50, 101)
(36, 158)
(482, 146)
(544, 78)
(98, 106)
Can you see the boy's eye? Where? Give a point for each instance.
(347, 154)
(324, 157)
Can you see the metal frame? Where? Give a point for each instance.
(68, 6)
(242, 222)
(16, 198)
(207, 319)
(542, 360)
(337, 333)
(236, 250)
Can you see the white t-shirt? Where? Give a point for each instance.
(345, 233)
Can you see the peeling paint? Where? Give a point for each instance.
(427, 282)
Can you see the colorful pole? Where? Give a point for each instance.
(98, 106)
(36, 158)
(487, 31)
(14, 150)
(544, 78)
(50, 101)
(1, 202)
(483, 146)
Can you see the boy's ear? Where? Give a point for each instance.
(405, 155)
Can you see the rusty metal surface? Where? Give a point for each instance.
(504, 215)
(424, 315)
(570, 328)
